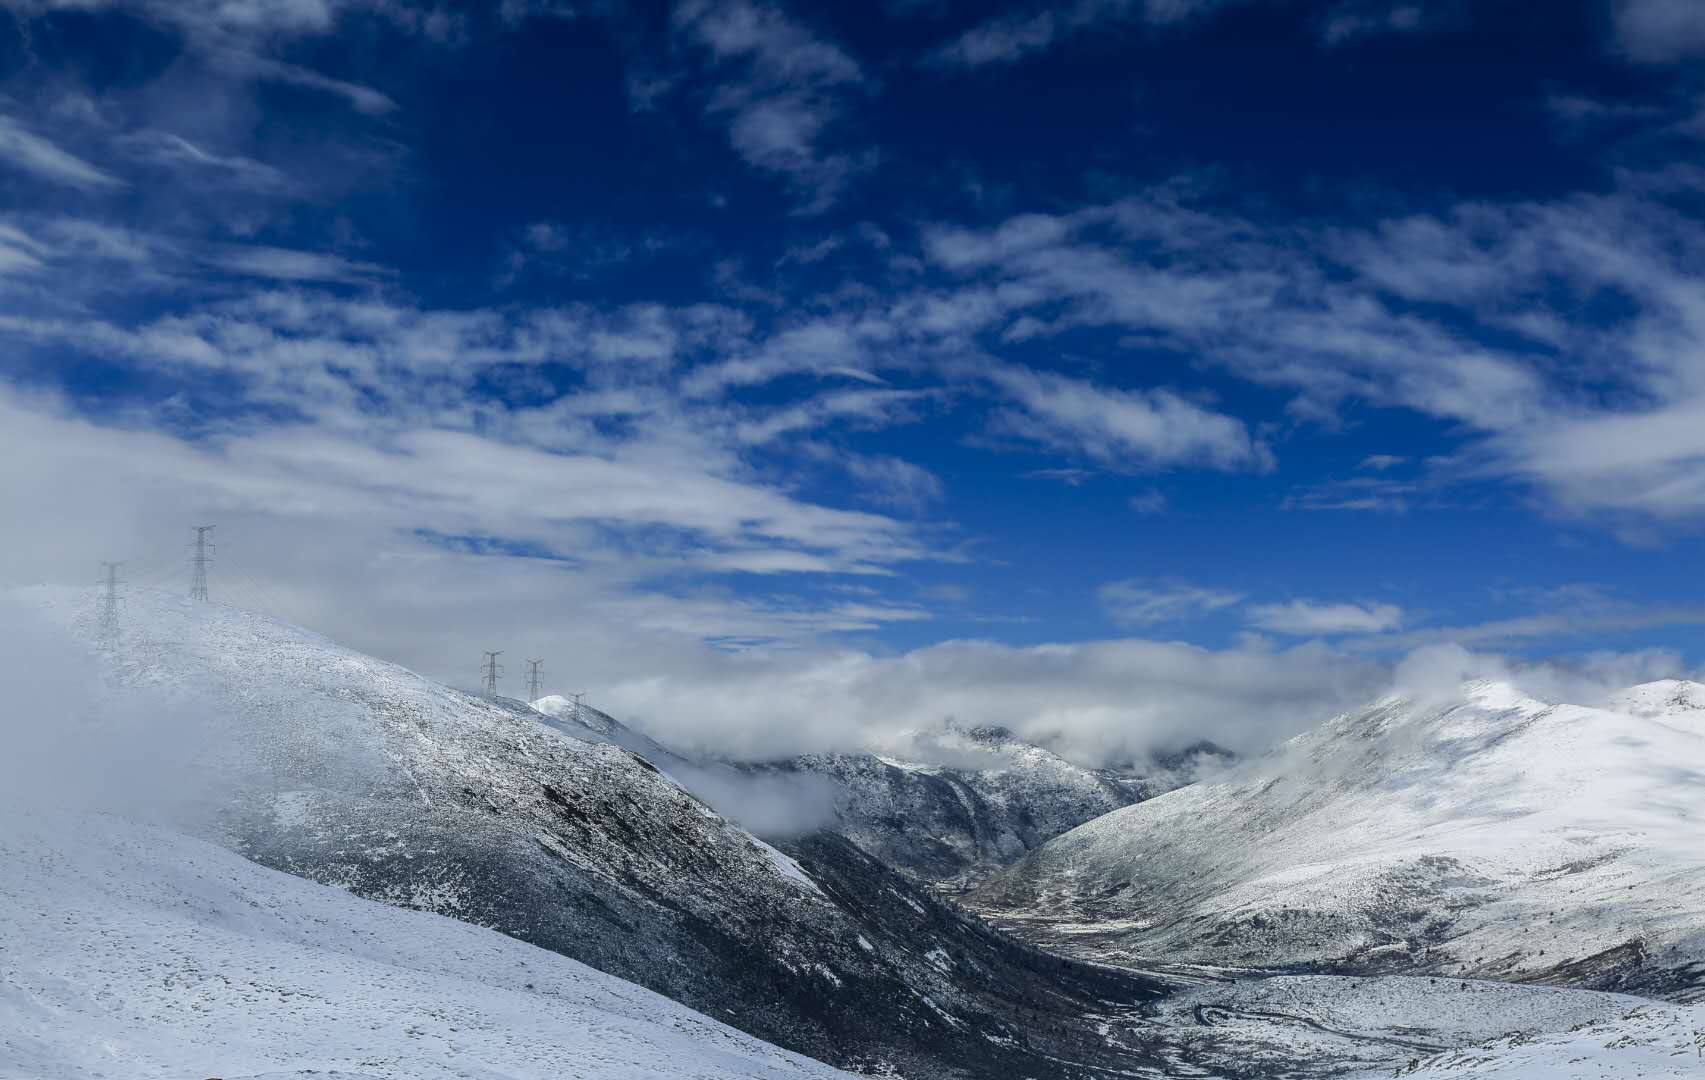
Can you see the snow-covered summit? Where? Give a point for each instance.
(1497, 836)
(1676, 698)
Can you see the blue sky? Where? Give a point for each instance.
(1126, 371)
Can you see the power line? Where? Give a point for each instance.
(199, 561)
(491, 671)
(266, 597)
(533, 679)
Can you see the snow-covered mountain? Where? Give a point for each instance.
(968, 801)
(133, 952)
(979, 801)
(357, 773)
(1495, 837)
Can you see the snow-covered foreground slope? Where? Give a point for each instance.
(130, 952)
(341, 768)
(1499, 837)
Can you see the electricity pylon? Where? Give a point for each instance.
(109, 604)
(491, 670)
(198, 562)
(533, 679)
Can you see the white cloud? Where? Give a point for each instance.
(1141, 602)
(782, 89)
(894, 482)
(172, 151)
(1003, 40)
(1151, 501)
(1309, 618)
(235, 36)
(39, 156)
(1007, 38)
(1546, 626)
(1359, 19)
(1099, 702)
(1123, 429)
(1660, 31)
(323, 532)
(20, 253)
(284, 264)
(1649, 463)
(1399, 314)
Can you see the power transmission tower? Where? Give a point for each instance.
(577, 697)
(533, 679)
(198, 562)
(491, 670)
(109, 604)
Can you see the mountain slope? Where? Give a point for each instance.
(349, 771)
(1501, 837)
(954, 824)
(978, 800)
(144, 953)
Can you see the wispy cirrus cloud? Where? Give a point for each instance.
(24, 149)
(1006, 39)
(240, 39)
(285, 264)
(1659, 31)
(172, 151)
(1312, 618)
(1122, 429)
(1143, 602)
(780, 89)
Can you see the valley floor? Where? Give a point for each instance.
(1286, 1026)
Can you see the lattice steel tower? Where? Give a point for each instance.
(198, 562)
(109, 604)
(534, 680)
(491, 671)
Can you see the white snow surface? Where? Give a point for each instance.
(131, 952)
(1651, 1042)
(1504, 834)
(1297, 1026)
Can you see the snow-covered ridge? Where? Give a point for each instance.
(154, 955)
(1496, 836)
